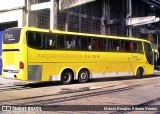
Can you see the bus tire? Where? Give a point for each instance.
(139, 73)
(83, 76)
(66, 77)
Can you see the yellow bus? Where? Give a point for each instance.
(35, 54)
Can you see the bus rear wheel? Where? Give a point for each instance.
(83, 76)
(66, 77)
(139, 73)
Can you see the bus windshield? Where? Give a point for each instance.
(11, 36)
(148, 52)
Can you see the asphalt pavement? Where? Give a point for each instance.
(4, 81)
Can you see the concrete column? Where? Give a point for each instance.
(129, 15)
(31, 16)
(24, 23)
(56, 8)
(53, 14)
(66, 25)
(102, 26)
(107, 16)
(28, 8)
(80, 24)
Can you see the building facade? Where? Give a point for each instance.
(89, 16)
(131, 18)
(97, 16)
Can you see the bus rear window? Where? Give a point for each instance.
(11, 36)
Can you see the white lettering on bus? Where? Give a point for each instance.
(50, 55)
(8, 36)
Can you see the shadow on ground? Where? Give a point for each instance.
(47, 84)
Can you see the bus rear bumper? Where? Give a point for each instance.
(9, 75)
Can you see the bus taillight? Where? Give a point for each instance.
(21, 65)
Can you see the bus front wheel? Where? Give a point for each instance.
(139, 73)
(66, 77)
(83, 76)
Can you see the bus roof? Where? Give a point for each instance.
(82, 34)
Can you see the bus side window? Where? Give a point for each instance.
(101, 46)
(70, 42)
(60, 41)
(78, 42)
(127, 46)
(116, 45)
(130, 46)
(92, 43)
(95, 44)
(50, 41)
(140, 48)
(110, 44)
(84, 43)
(34, 39)
(73, 42)
(106, 46)
(135, 48)
(122, 45)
